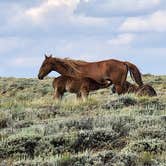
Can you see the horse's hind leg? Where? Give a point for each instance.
(123, 79)
(120, 88)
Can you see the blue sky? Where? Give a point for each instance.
(92, 30)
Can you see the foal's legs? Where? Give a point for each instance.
(84, 93)
(79, 95)
(113, 89)
(58, 94)
(84, 90)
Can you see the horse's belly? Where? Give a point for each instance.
(72, 87)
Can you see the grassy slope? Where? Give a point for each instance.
(105, 129)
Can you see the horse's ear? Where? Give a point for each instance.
(50, 56)
(46, 56)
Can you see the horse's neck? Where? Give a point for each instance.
(58, 67)
(62, 67)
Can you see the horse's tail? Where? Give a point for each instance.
(134, 73)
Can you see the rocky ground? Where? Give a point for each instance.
(104, 130)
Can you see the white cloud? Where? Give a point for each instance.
(39, 12)
(154, 22)
(57, 13)
(122, 39)
(132, 5)
(107, 8)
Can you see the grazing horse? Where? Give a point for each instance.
(81, 87)
(113, 70)
(144, 90)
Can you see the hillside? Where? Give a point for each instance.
(106, 129)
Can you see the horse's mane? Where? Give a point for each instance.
(71, 64)
(74, 62)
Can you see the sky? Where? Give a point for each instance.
(91, 30)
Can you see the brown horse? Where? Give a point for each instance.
(81, 87)
(113, 70)
(144, 90)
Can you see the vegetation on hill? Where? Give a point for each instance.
(106, 129)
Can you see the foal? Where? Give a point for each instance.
(81, 87)
(144, 90)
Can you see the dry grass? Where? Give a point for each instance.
(104, 129)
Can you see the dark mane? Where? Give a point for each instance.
(74, 62)
(70, 64)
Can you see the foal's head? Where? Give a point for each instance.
(46, 67)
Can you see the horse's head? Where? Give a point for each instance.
(46, 67)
